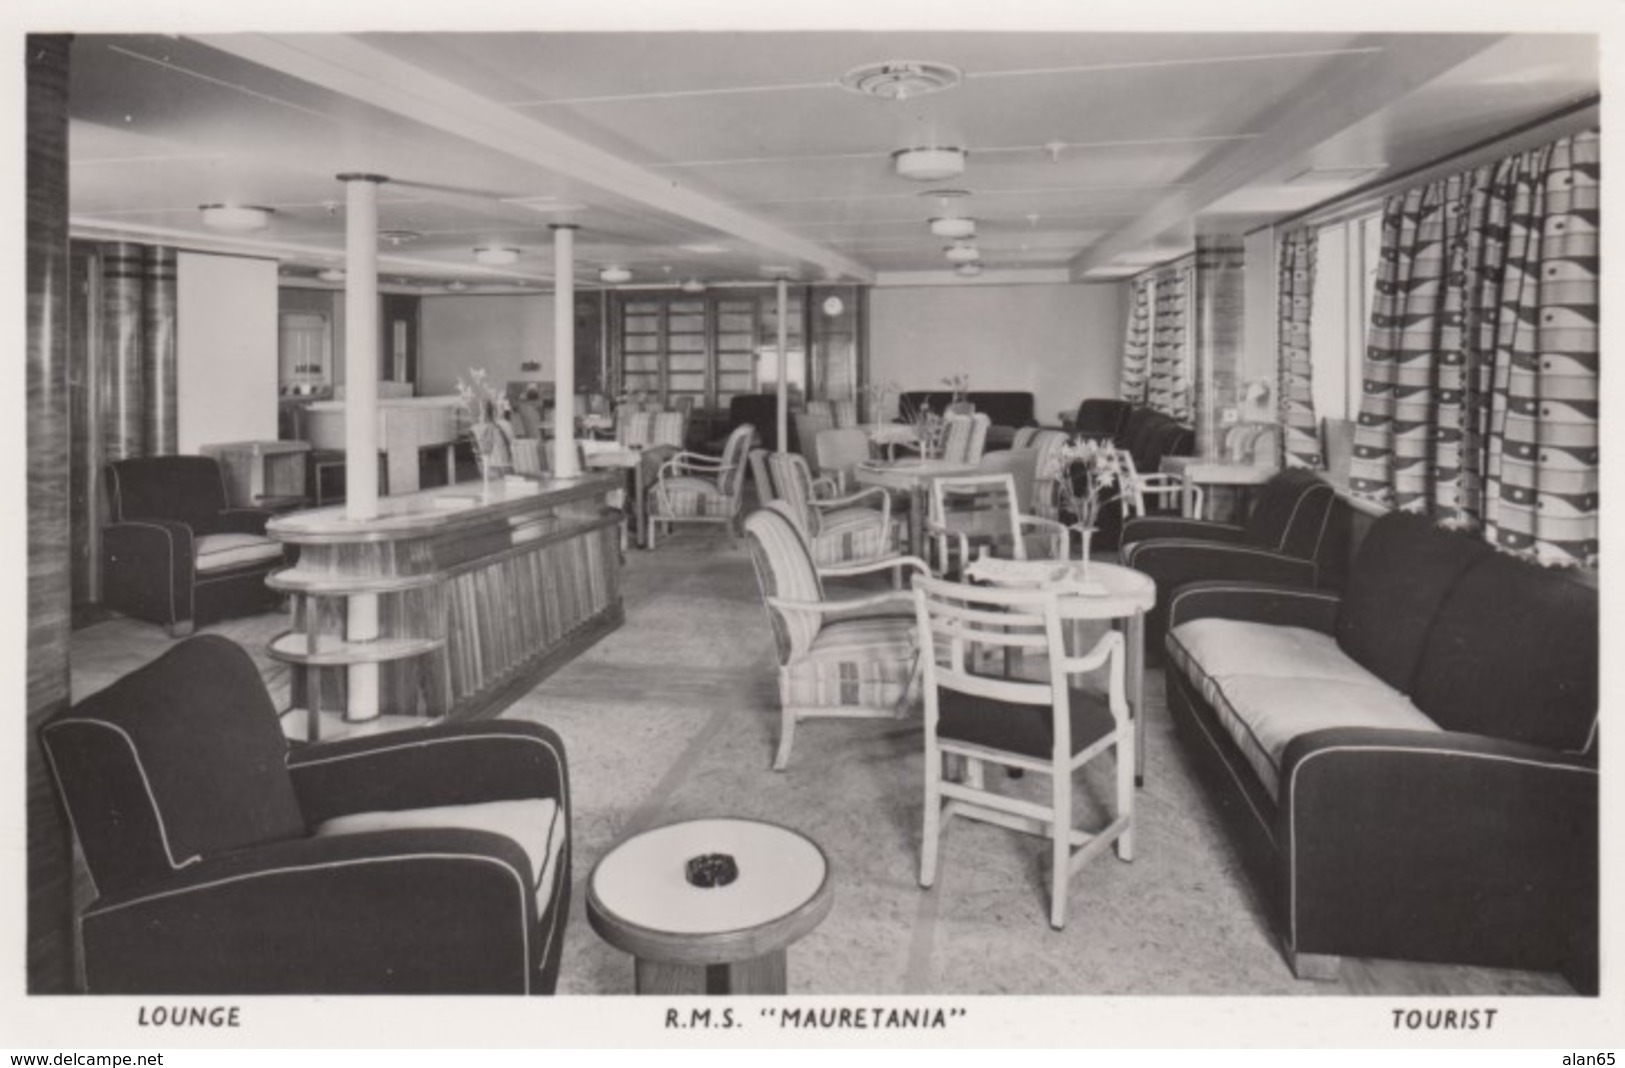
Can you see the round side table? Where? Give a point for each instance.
(728, 939)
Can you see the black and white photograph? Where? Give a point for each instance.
(896, 524)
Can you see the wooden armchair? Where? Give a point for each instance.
(692, 487)
(846, 658)
(838, 530)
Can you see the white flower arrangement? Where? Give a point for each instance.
(488, 421)
(1104, 473)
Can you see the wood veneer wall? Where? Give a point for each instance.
(49, 596)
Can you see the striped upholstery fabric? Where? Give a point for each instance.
(822, 410)
(641, 429)
(964, 437)
(1024, 436)
(840, 535)
(846, 413)
(850, 534)
(1047, 473)
(854, 663)
(706, 495)
(784, 569)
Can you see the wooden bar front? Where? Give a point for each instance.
(481, 592)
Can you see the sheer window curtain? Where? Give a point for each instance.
(1295, 288)
(1481, 391)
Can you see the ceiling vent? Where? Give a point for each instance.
(900, 79)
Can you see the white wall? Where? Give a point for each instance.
(1060, 342)
(225, 350)
(494, 331)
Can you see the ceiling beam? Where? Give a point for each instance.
(1330, 105)
(352, 68)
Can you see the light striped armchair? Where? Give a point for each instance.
(695, 488)
(848, 658)
(839, 530)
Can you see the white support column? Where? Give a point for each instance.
(784, 366)
(565, 463)
(361, 413)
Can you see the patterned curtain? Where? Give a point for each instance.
(1137, 344)
(1300, 440)
(1169, 388)
(1480, 402)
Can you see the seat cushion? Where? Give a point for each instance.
(1268, 685)
(536, 824)
(1404, 570)
(688, 495)
(847, 534)
(1013, 727)
(855, 662)
(222, 552)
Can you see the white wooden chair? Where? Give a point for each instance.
(972, 514)
(1046, 724)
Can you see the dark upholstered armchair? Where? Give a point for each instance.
(175, 553)
(1292, 537)
(431, 860)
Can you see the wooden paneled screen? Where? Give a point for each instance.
(714, 346)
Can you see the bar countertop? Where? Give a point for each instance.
(441, 510)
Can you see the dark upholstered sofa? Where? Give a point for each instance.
(431, 860)
(1007, 410)
(1411, 767)
(1296, 534)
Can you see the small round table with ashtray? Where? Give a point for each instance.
(710, 906)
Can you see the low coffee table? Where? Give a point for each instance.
(718, 940)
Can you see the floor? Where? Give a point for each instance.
(675, 716)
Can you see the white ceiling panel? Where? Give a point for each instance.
(1079, 143)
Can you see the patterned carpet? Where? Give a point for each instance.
(675, 716)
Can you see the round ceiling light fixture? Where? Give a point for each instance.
(614, 275)
(962, 252)
(968, 270)
(456, 285)
(955, 226)
(692, 285)
(901, 79)
(496, 255)
(397, 238)
(236, 218)
(929, 164)
(331, 274)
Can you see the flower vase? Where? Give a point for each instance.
(961, 407)
(1086, 535)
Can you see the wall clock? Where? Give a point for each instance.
(833, 307)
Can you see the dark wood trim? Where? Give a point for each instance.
(50, 859)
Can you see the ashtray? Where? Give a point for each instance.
(711, 869)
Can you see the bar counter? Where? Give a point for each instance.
(451, 602)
